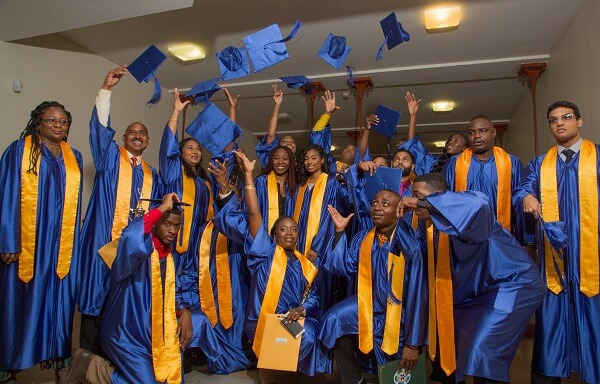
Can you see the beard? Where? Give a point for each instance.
(406, 172)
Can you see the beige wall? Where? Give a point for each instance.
(71, 76)
(573, 74)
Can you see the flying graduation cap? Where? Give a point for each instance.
(393, 34)
(145, 67)
(267, 47)
(233, 63)
(204, 90)
(334, 51)
(298, 82)
(388, 121)
(213, 129)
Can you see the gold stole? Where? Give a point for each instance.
(504, 172)
(29, 205)
(274, 286)
(588, 217)
(272, 199)
(166, 358)
(188, 185)
(314, 213)
(205, 289)
(393, 311)
(441, 301)
(124, 185)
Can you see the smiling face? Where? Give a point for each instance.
(135, 139)
(456, 144)
(313, 161)
(348, 154)
(191, 153)
(564, 126)
(280, 162)
(167, 228)
(288, 141)
(53, 125)
(481, 134)
(384, 209)
(286, 233)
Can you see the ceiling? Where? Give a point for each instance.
(475, 65)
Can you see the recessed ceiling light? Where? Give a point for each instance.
(442, 18)
(440, 144)
(187, 52)
(442, 106)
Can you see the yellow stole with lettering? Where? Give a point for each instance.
(441, 300)
(393, 311)
(123, 197)
(314, 213)
(504, 172)
(272, 199)
(205, 289)
(29, 207)
(588, 217)
(166, 357)
(274, 286)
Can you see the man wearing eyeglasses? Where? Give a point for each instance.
(563, 186)
(122, 176)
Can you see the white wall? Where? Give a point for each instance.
(573, 74)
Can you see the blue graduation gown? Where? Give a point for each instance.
(483, 177)
(36, 318)
(313, 356)
(496, 284)
(567, 337)
(424, 161)
(126, 325)
(96, 231)
(342, 319)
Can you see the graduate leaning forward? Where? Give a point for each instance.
(483, 287)
(283, 279)
(40, 176)
(563, 186)
(139, 331)
(387, 318)
(122, 175)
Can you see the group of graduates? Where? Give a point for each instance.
(452, 261)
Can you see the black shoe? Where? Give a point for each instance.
(79, 365)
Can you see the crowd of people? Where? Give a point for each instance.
(451, 257)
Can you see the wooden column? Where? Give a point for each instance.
(361, 84)
(315, 88)
(533, 72)
(500, 129)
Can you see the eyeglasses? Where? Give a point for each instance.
(53, 120)
(565, 117)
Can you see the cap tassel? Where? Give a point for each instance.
(295, 30)
(350, 72)
(379, 55)
(157, 93)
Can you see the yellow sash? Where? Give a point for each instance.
(441, 301)
(29, 205)
(211, 211)
(274, 286)
(205, 289)
(189, 196)
(504, 171)
(587, 177)
(393, 311)
(166, 358)
(314, 213)
(273, 199)
(124, 185)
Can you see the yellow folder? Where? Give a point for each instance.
(279, 349)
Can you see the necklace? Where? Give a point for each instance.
(50, 146)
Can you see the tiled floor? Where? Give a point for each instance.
(519, 372)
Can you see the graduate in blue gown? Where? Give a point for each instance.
(494, 285)
(402, 289)
(39, 221)
(567, 338)
(297, 296)
(114, 193)
(486, 166)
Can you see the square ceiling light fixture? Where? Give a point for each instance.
(442, 18)
(442, 106)
(187, 52)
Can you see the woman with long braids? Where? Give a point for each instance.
(39, 221)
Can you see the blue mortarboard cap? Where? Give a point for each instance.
(393, 34)
(296, 82)
(144, 68)
(266, 47)
(383, 178)
(204, 90)
(334, 51)
(213, 129)
(233, 63)
(388, 121)
(556, 234)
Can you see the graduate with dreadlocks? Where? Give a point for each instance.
(39, 222)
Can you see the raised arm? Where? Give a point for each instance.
(103, 99)
(363, 140)
(278, 99)
(413, 108)
(178, 106)
(232, 103)
(250, 198)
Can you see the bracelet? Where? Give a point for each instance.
(174, 120)
(303, 311)
(249, 187)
